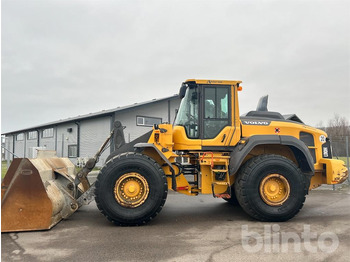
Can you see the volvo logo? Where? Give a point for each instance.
(256, 122)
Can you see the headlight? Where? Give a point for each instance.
(325, 152)
(326, 149)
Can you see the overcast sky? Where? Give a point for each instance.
(62, 58)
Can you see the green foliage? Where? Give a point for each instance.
(3, 169)
(341, 158)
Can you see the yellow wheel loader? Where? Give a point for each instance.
(263, 161)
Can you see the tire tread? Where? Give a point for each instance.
(241, 186)
(102, 174)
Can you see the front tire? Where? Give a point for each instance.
(131, 189)
(271, 188)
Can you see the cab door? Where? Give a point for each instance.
(216, 116)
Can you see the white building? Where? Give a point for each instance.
(80, 137)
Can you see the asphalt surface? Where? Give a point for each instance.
(193, 229)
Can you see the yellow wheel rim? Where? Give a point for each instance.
(131, 190)
(274, 189)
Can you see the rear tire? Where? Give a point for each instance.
(271, 188)
(131, 189)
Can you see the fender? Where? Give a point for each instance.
(128, 147)
(300, 150)
(139, 148)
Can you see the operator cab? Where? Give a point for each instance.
(206, 108)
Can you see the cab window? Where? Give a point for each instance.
(216, 110)
(188, 113)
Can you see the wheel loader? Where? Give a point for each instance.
(263, 161)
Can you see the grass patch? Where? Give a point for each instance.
(343, 158)
(3, 169)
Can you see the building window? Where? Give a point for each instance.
(32, 135)
(147, 121)
(20, 137)
(72, 150)
(48, 132)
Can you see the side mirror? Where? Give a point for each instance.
(194, 97)
(182, 91)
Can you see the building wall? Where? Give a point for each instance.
(174, 105)
(47, 142)
(31, 143)
(93, 132)
(9, 146)
(19, 146)
(66, 135)
(159, 110)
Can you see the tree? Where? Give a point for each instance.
(338, 128)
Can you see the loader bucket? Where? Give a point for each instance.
(37, 193)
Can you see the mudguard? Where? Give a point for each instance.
(299, 149)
